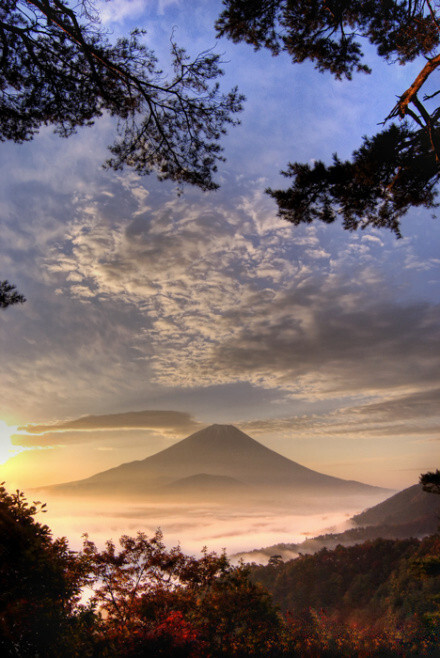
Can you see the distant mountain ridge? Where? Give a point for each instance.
(221, 459)
(408, 513)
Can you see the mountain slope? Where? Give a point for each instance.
(412, 505)
(222, 451)
(206, 487)
(409, 513)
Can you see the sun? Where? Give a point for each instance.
(7, 449)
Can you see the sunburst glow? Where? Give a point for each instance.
(7, 449)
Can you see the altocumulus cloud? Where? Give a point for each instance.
(229, 293)
(159, 294)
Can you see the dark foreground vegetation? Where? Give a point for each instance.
(380, 598)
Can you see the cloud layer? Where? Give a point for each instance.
(230, 295)
(122, 428)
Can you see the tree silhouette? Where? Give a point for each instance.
(40, 586)
(397, 168)
(58, 68)
(431, 481)
(9, 295)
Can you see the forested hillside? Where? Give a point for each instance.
(382, 592)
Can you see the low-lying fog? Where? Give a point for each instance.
(195, 525)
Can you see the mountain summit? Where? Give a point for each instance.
(217, 460)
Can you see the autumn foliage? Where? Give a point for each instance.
(174, 604)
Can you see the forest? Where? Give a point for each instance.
(379, 598)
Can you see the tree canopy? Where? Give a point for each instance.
(40, 585)
(392, 171)
(9, 295)
(431, 481)
(164, 602)
(58, 67)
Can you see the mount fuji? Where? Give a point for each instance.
(219, 463)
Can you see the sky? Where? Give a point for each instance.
(150, 315)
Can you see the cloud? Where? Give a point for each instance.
(408, 407)
(169, 421)
(229, 296)
(316, 345)
(411, 417)
(155, 294)
(113, 431)
(120, 10)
